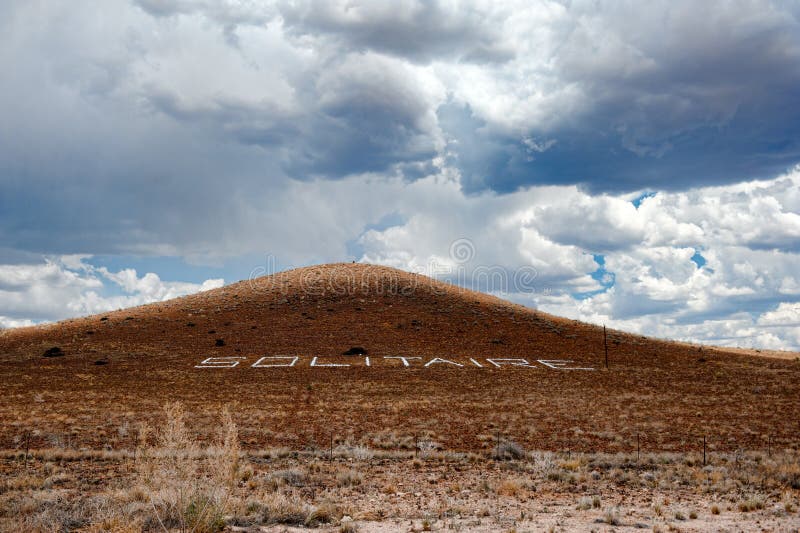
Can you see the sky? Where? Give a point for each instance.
(627, 163)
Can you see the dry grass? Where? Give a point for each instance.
(751, 504)
(349, 478)
(179, 483)
(188, 488)
(659, 389)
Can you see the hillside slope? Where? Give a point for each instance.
(325, 310)
(475, 366)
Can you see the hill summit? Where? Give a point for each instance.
(326, 310)
(377, 355)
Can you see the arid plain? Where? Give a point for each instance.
(454, 409)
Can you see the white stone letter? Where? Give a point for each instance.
(403, 359)
(260, 362)
(560, 364)
(220, 362)
(511, 362)
(314, 363)
(440, 360)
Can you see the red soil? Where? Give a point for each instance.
(670, 393)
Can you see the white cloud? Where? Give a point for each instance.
(649, 252)
(69, 286)
(172, 127)
(745, 294)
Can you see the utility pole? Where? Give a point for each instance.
(704, 450)
(638, 449)
(27, 447)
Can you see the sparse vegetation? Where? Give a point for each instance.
(348, 527)
(509, 487)
(54, 351)
(452, 445)
(750, 504)
(584, 504)
(348, 478)
(611, 516)
(508, 450)
(188, 487)
(185, 484)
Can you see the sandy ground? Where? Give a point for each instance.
(436, 492)
(560, 518)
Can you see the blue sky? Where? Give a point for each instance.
(639, 158)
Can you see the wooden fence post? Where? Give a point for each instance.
(704, 450)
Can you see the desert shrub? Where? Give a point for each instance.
(572, 465)
(611, 516)
(291, 477)
(189, 488)
(348, 527)
(360, 453)
(751, 504)
(348, 478)
(55, 351)
(508, 450)
(428, 448)
(584, 504)
(658, 509)
(323, 514)
(509, 487)
(389, 440)
(54, 511)
(789, 474)
(280, 509)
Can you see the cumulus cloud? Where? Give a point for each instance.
(68, 286)
(418, 31)
(145, 118)
(676, 265)
(321, 131)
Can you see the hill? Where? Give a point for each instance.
(425, 358)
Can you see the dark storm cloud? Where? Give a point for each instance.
(419, 31)
(682, 98)
(370, 116)
(143, 124)
(229, 14)
(761, 141)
